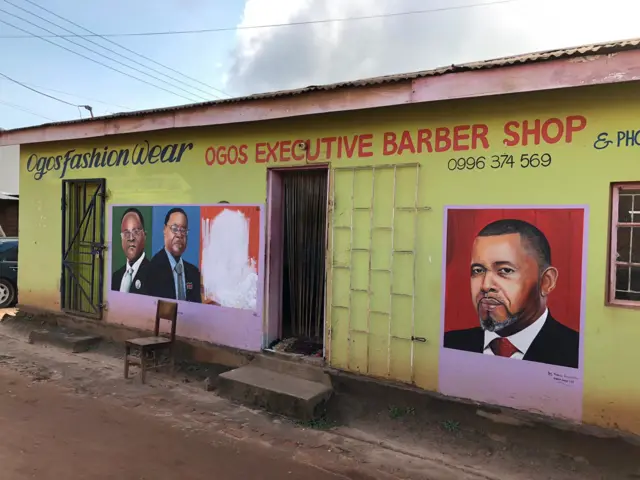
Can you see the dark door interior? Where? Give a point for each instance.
(305, 214)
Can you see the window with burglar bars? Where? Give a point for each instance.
(624, 269)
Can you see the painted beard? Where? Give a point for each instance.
(486, 305)
(491, 325)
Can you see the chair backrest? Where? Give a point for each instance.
(166, 311)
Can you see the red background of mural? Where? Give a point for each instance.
(564, 231)
(251, 213)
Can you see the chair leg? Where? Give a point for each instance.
(127, 352)
(143, 366)
(154, 360)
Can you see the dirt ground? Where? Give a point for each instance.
(48, 434)
(70, 416)
(457, 434)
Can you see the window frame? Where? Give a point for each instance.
(616, 189)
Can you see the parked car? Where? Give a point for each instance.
(8, 271)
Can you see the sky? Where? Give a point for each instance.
(242, 60)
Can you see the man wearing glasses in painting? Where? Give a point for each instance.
(170, 275)
(131, 277)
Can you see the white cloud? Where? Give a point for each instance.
(297, 56)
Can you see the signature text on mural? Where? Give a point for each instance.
(419, 141)
(141, 154)
(563, 379)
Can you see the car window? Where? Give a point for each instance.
(9, 251)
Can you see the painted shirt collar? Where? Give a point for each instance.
(523, 339)
(172, 260)
(136, 266)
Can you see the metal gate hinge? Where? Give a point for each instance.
(418, 339)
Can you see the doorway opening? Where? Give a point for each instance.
(83, 246)
(296, 271)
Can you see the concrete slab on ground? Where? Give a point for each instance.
(276, 392)
(292, 366)
(75, 342)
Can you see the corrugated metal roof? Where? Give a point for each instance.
(606, 48)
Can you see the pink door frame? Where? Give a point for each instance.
(275, 250)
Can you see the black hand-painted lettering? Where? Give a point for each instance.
(106, 157)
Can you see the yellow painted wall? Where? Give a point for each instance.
(360, 341)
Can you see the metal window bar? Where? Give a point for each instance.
(628, 265)
(415, 209)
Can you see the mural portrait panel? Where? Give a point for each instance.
(513, 293)
(230, 242)
(176, 247)
(207, 257)
(131, 239)
(201, 254)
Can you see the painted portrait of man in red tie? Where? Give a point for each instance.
(511, 278)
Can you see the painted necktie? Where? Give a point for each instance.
(181, 294)
(127, 280)
(502, 347)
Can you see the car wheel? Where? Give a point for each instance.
(7, 293)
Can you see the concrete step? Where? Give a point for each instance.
(276, 392)
(295, 368)
(75, 342)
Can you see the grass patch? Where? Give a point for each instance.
(451, 426)
(399, 412)
(321, 423)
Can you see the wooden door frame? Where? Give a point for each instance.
(275, 252)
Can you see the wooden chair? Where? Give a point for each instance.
(150, 347)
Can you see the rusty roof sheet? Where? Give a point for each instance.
(606, 48)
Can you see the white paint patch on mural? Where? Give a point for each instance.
(229, 275)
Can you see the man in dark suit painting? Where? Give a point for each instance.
(171, 276)
(131, 277)
(511, 279)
